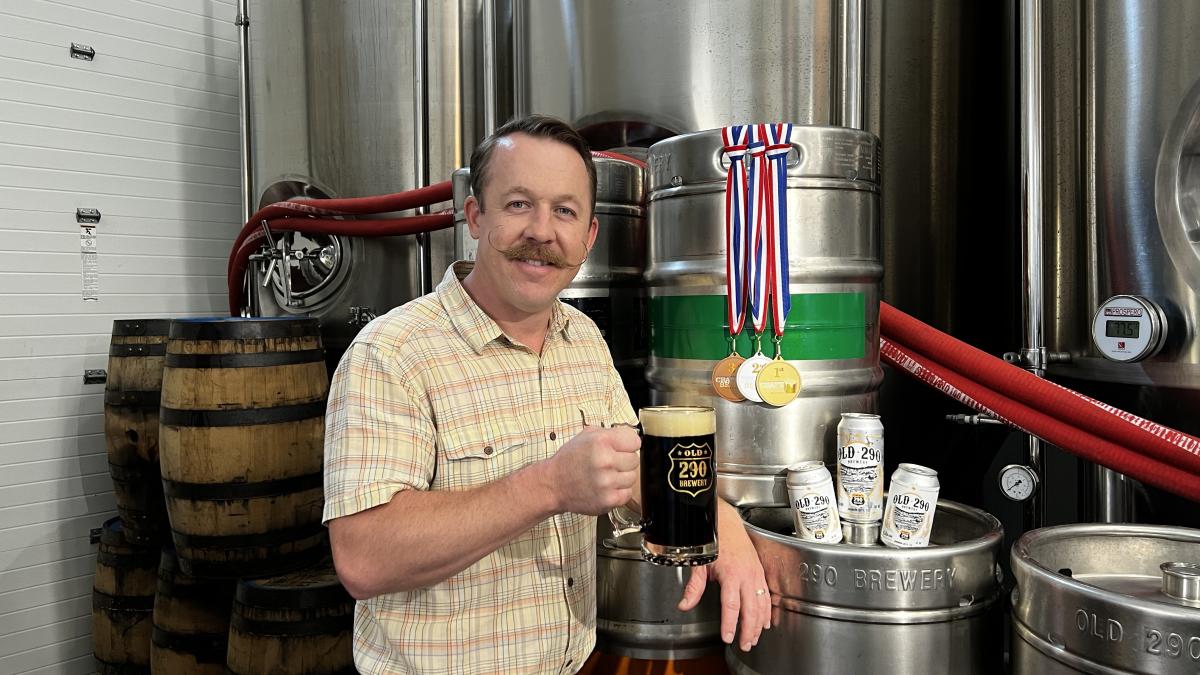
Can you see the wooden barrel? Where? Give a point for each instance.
(191, 622)
(131, 399)
(241, 431)
(122, 603)
(296, 624)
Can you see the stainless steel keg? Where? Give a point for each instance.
(841, 609)
(635, 605)
(832, 332)
(1106, 599)
(608, 287)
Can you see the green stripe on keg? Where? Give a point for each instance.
(820, 326)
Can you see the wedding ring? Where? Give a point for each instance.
(760, 591)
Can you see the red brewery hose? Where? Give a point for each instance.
(400, 201)
(608, 154)
(1122, 428)
(1040, 424)
(351, 228)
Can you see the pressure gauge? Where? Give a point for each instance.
(1129, 328)
(1018, 482)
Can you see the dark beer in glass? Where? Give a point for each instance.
(679, 485)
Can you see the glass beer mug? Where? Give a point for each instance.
(679, 487)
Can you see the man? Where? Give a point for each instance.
(469, 444)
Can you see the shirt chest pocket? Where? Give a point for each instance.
(472, 454)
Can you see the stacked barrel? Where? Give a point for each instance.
(218, 561)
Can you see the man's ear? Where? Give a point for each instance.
(593, 230)
(472, 208)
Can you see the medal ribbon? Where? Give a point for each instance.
(774, 187)
(758, 171)
(736, 225)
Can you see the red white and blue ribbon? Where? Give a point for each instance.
(774, 186)
(758, 172)
(737, 225)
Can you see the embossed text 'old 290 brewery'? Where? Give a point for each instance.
(871, 579)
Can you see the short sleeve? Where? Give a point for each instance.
(619, 407)
(379, 435)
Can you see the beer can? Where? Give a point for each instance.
(911, 505)
(814, 506)
(860, 468)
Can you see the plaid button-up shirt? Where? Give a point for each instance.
(434, 396)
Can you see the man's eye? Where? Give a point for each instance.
(518, 204)
(564, 211)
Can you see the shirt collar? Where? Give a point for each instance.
(469, 319)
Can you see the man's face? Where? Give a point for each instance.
(536, 226)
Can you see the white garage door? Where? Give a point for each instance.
(146, 133)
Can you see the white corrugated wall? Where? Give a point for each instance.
(146, 133)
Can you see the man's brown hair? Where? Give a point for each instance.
(538, 126)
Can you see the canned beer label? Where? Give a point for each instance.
(816, 516)
(691, 469)
(860, 482)
(908, 519)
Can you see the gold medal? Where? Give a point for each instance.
(723, 375)
(778, 383)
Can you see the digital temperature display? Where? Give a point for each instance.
(1122, 329)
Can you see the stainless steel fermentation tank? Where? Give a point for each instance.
(832, 332)
(352, 99)
(1122, 92)
(633, 72)
(874, 610)
(1106, 599)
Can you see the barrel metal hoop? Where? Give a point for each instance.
(147, 560)
(206, 647)
(888, 616)
(274, 563)
(220, 492)
(244, 329)
(324, 625)
(138, 349)
(251, 360)
(157, 327)
(1061, 655)
(242, 417)
(133, 399)
(124, 603)
(231, 541)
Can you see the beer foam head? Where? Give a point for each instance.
(670, 421)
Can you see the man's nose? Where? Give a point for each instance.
(540, 226)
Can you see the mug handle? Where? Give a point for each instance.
(624, 521)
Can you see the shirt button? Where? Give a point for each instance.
(553, 435)
(487, 450)
(570, 581)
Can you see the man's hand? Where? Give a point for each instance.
(595, 472)
(743, 584)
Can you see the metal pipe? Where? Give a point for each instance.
(1034, 351)
(852, 55)
(244, 121)
(489, 68)
(421, 133)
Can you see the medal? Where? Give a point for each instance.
(724, 374)
(778, 383)
(747, 374)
